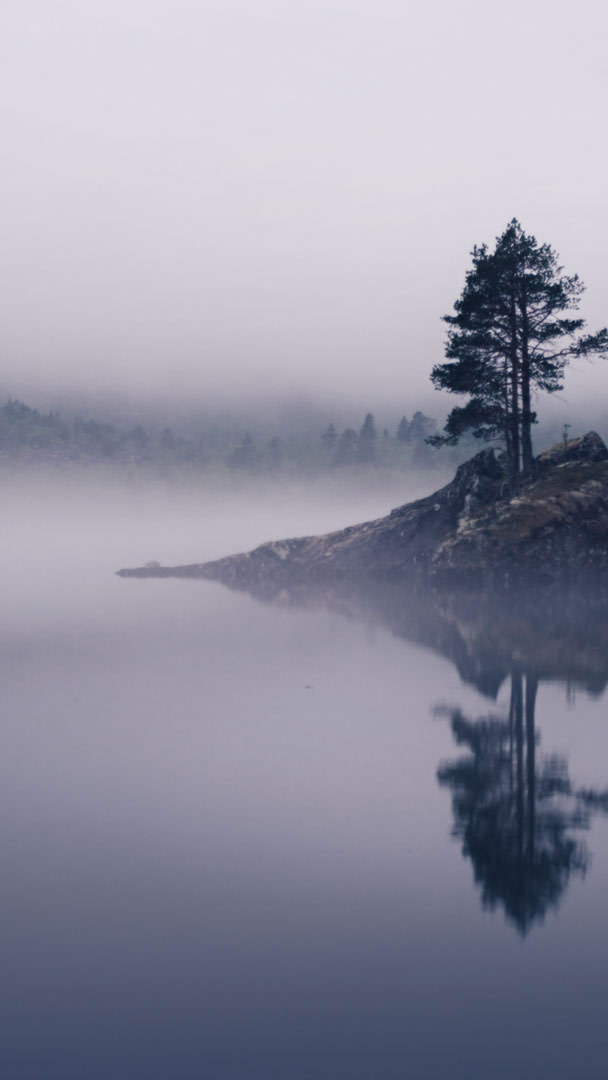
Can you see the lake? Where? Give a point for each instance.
(336, 836)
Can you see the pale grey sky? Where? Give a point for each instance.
(283, 194)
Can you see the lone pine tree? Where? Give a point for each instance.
(512, 333)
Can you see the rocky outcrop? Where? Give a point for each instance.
(589, 448)
(552, 526)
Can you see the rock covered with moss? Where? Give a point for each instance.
(554, 525)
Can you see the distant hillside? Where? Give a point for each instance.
(28, 435)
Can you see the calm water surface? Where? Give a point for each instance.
(252, 840)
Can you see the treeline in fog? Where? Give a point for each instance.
(27, 434)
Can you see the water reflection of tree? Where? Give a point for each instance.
(515, 810)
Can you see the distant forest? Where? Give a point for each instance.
(27, 435)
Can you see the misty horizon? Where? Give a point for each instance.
(304, 661)
(226, 203)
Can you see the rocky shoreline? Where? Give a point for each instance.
(551, 526)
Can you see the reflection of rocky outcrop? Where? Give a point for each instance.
(553, 525)
(516, 812)
(562, 634)
(558, 633)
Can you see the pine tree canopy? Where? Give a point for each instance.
(513, 332)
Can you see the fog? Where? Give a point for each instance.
(66, 532)
(235, 201)
(324, 831)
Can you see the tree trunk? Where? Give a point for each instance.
(514, 377)
(526, 423)
(508, 427)
(516, 684)
(511, 733)
(526, 411)
(531, 689)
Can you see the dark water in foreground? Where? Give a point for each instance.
(317, 839)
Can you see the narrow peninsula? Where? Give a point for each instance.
(550, 526)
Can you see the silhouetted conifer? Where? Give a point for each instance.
(512, 332)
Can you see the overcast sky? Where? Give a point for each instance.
(283, 193)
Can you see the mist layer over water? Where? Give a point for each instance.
(226, 851)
